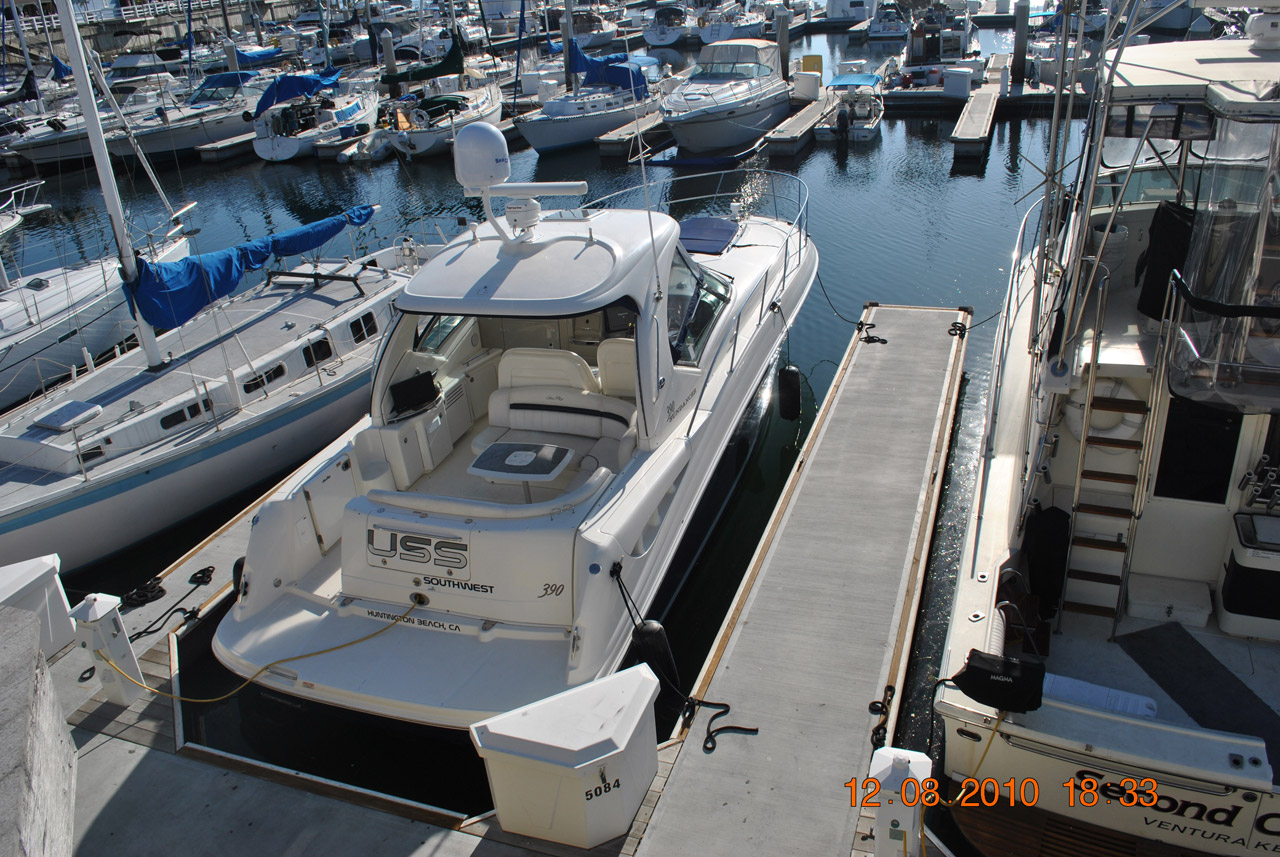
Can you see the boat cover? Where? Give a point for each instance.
(260, 56)
(740, 51)
(851, 80)
(613, 70)
(451, 64)
(289, 86)
(168, 294)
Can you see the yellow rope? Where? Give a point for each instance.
(950, 803)
(251, 678)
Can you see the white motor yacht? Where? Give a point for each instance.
(614, 90)
(1111, 667)
(546, 414)
(292, 115)
(735, 94)
(851, 11)
(590, 29)
(729, 21)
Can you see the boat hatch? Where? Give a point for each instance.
(68, 416)
(710, 235)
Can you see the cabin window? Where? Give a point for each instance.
(176, 418)
(1199, 452)
(694, 300)
(90, 454)
(37, 284)
(433, 330)
(317, 352)
(257, 382)
(364, 327)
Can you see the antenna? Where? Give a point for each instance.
(482, 165)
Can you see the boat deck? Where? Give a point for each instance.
(829, 609)
(871, 466)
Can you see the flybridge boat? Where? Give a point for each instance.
(546, 415)
(1115, 636)
(735, 94)
(890, 21)
(614, 91)
(291, 117)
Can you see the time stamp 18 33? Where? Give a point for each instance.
(1130, 791)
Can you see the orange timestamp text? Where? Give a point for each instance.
(1129, 791)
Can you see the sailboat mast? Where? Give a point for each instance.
(566, 36)
(26, 55)
(102, 163)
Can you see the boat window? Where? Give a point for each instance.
(176, 418)
(721, 71)
(257, 382)
(317, 352)
(364, 327)
(694, 300)
(37, 284)
(433, 330)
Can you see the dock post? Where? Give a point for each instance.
(233, 62)
(782, 23)
(100, 629)
(1021, 19)
(389, 60)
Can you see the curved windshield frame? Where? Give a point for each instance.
(719, 72)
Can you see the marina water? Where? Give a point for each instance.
(896, 220)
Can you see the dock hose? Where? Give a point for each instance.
(649, 633)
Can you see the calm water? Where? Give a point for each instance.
(895, 221)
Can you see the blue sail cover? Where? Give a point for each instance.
(61, 71)
(261, 56)
(169, 294)
(612, 70)
(288, 86)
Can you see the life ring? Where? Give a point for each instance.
(420, 118)
(1127, 427)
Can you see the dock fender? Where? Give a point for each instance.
(1103, 424)
(789, 393)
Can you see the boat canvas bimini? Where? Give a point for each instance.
(1115, 636)
(546, 415)
(735, 94)
(856, 108)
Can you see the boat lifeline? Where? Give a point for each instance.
(735, 94)
(546, 415)
(1128, 493)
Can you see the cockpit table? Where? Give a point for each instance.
(521, 462)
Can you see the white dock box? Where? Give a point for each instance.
(574, 768)
(34, 585)
(956, 83)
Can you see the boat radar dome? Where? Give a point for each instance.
(480, 158)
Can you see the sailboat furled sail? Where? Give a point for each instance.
(169, 294)
(611, 70)
(452, 63)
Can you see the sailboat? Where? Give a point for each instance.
(238, 388)
(291, 117)
(427, 126)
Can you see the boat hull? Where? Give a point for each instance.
(439, 140)
(728, 126)
(548, 134)
(110, 514)
(661, 37)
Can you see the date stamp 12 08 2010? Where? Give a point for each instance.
(1129, 791)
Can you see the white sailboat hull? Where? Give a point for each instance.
(549, 133)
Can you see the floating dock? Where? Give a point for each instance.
(796, 131)
(973, 131)
(232, 147)
(624, 142)
(820, 627)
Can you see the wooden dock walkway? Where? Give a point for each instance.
(796, 131)
(973, 130)
(623, 142)
(824, 617)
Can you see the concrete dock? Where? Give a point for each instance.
(821, 625)
(626, 141)
(973, 130)
(796, 131)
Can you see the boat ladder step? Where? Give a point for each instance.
(1093, 576)
(1098, 544)
(1105, 476)
(1109, 511)
(1119, 406)
(1115, 443)
(1092, 609)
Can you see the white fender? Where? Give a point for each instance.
(1101, 423)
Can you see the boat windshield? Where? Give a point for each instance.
(215, 94)
(722, 71)
(695, 298)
